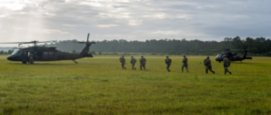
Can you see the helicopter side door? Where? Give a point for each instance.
(36, 55)
(24, 56)
(48, 56)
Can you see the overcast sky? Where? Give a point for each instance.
(26, 20)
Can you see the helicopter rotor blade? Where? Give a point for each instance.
(88, 37)
(27, 42)
(32, 42)
(14, 42)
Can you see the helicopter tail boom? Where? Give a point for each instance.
(84, 52)
(248, 58)
(245, 54)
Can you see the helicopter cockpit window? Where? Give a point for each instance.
(219, 56)
(19, 53)
(45, 53)
(14, 52)
(51, 53)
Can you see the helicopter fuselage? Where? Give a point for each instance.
(220, 57)
(43, 54)
(46, 53)
(231, 56)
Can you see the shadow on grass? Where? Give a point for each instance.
(43, 64)
(238, 62)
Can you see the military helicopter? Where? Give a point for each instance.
(42, 53)
(232, 56)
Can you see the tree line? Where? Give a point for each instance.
(255, 46)
(6, 52)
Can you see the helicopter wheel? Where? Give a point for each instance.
(24, 62)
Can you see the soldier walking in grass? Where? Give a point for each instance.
(168, 62)
(185, 63)
(133, 61)
(227, 63)
(208, 66)
(142, 63)
(122, 61)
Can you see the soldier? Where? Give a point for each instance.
(184, 63)
(227, 63)
(31, 61)
(207, 63)
(168, 62)
(122, 61)
(142, 63)
(133, 61)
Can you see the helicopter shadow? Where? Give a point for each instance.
(241, 62)
(248, 63)
(43, 64)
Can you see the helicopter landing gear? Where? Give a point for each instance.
(24, 62)
(219, 61)
(75, 61)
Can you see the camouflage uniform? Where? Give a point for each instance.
(31, 61)
(133, 61)
(185, 63)
(226, 64)
(208, 66)
(142, 63)
(122, 61)
(168, 62)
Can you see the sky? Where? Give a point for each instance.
(41, 20)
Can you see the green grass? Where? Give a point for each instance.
(99, 86)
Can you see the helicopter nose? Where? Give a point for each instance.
(218, 59)
(9, 57)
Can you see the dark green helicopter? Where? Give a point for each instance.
(232, 56)
(42, 53)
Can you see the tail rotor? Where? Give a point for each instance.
(87, 42)
(88, 38)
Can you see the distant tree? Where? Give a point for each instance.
(10, 51)
(73, 51)
(92, 52)
(237, 43)
(258, 45)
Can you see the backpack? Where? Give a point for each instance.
(205, 62)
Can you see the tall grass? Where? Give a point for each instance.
(99, 86)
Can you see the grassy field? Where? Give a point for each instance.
(99, 86)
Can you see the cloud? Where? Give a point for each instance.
(52, 31)
(134, 19)
(3, 15)
(107, 26)
(12, 4)
(135, 22)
